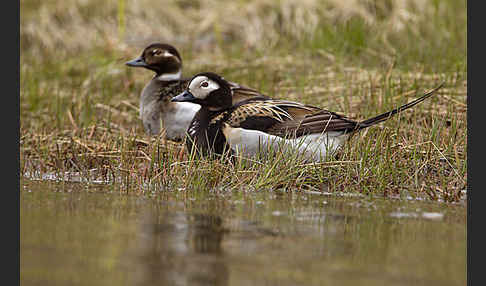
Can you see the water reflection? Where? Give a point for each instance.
(181, 249)
(76, 235)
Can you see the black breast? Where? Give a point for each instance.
(206, 139)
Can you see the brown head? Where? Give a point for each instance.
(160, 58)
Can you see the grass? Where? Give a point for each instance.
(79, 103)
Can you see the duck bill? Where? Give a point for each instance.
(185, 96)
(138, 62)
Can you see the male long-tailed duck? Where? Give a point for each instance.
(250, 126)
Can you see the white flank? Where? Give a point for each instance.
(313, 148)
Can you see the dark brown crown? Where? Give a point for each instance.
(154, 57)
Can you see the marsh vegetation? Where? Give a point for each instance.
(79, 102)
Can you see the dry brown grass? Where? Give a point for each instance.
(79, 117)
(76, 25)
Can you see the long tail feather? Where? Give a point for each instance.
(382, 117)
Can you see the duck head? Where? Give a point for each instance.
(163, 59)
(208, 90)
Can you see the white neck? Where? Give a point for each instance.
(170, 76)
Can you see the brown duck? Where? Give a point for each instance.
(156, 109)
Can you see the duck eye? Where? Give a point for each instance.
(204, 84)
(156, 52)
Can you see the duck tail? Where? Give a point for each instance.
(384, 116)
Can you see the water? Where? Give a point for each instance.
(75, 234)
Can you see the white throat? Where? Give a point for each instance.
(170, 76)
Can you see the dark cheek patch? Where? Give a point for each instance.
(148, 59)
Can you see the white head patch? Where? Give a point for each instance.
(168, 54)
(165, 54)
(202, 86)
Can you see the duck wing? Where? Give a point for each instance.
(292, 119)
(281, 118)
(313, 123)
